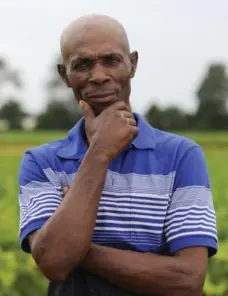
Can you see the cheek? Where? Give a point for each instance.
(123, 77)
(75, 80)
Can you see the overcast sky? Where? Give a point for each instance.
(176, 40)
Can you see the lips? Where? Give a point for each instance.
(100, 95)
(106, 98)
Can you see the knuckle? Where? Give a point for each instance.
(121, 103)
(118, 115)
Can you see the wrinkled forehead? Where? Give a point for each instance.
(94, 43)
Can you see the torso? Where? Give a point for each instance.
(133, 206)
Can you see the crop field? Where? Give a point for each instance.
(18, 275)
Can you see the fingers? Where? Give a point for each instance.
(65, 190)
(135, 131)
(120, 105)
(131, 121)
(87, 110)
(126, 114)
(129, 117)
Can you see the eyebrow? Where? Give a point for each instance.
(89, 56)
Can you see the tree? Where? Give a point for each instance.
(10, 85)
(212, 99)
(12, 112)
(8, 74)
(9, 78)
(57, 117)
(62, 110)
(170, 118)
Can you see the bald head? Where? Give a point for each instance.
(91, 26)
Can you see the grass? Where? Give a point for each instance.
(31, 138)
(38, 137)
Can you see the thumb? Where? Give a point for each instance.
(65, 190)
(87, 110)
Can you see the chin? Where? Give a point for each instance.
(98, 111)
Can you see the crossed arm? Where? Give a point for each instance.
(64, 243)
(149, 274)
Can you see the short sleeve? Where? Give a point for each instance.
(191, 219)
(38, 198)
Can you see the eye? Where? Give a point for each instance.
(111, 60)
(83, 65)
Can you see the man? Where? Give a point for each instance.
(138, 215)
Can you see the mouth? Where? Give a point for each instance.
(102, 98)
(101, 95)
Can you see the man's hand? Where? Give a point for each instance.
(65, 190)
(112, 130)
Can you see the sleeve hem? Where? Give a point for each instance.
(194, 241)
(27, 230)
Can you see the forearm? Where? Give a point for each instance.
(145, 274)
(65, 239)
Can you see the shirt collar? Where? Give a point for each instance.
(75, 146)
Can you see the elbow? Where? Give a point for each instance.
(192, 284)
(56, 269)
(53, 275)
(187, 281)
(195, 286)
(54, 266)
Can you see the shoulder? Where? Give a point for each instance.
(172, 140)
(187, 158)
(35, 160)
(45, 152)
(176, 145)
(180, 154)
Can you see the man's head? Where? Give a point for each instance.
(97, 63)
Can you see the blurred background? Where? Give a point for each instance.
(181, 86)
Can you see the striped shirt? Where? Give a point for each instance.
(156, 198)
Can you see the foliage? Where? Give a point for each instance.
(9, 75)
(12, 112)
(211, 112)
(167, 119)
(57, 116)
(212, 99)
(19, 275)
(10, 79)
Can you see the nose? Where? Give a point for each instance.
(98, 76)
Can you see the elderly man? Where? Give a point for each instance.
(138, 218)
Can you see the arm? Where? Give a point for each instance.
(64, 228)
(62, 242)
(190, 232)
(150, 274)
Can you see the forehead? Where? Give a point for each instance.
(95, 43)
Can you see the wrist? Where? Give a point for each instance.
(98, 153)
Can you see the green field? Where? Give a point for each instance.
(18, 275)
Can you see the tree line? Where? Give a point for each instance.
(61, 111)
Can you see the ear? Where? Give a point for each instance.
(62, 72)
(134, 62)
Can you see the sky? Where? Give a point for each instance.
(176, 41)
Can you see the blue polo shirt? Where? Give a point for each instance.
(156, 198)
